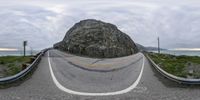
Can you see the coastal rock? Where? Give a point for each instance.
(95, 38)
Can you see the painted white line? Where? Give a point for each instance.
(61, 87)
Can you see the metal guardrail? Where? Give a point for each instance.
(173, 77)
(24, 72)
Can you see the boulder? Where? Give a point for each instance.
(98, 39)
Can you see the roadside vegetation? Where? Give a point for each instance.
(182, 66)
(11, 65)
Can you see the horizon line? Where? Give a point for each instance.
(185, 49)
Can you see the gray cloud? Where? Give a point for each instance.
(44, 24)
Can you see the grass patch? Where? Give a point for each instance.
(13, 64)
(182, 66)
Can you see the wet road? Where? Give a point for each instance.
(62, 76)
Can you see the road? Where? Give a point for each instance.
(62, 76)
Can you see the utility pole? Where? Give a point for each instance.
(24, 44)
(158, 45)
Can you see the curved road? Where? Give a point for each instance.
(62, 76)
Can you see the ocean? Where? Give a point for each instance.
(180, 52)
(172, 52)
(17, 53)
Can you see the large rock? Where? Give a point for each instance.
(97, 39)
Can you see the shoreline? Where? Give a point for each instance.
(178, 52)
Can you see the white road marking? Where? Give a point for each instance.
(61, 87)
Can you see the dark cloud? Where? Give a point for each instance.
(44, 24)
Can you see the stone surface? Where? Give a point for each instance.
(2, 71)
(95, 38)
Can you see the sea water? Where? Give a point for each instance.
(172, 52)
(17, 53)
(180, 52)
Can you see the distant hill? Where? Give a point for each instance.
(140, 47)
(153, 48)
(143, 48)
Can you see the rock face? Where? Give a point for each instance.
(97, 39)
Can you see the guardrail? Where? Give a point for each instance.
(24, 72)
(173, 77)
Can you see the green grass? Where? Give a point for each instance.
(176, 65)
(13, 64)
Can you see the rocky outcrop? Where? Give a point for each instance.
(97, 39)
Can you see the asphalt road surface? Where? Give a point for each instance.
(62, 76)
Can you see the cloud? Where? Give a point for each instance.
(28, 25)
(43, 23)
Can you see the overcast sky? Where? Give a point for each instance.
(45, 22)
